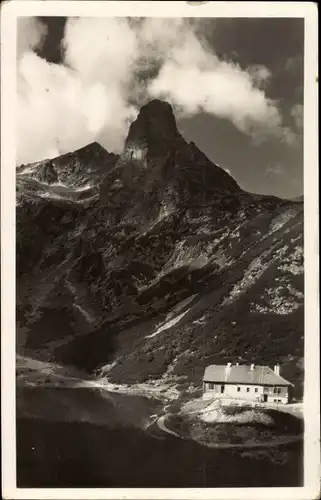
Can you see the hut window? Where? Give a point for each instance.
(238, 389)
(247, 389)
(211, 386)
(256, 389)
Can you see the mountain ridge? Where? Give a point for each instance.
(154, 263)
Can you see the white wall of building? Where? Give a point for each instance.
(248, 392)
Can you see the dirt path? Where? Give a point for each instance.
(162, 426)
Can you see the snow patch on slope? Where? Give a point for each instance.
(85, 313)
(167, 324)
(202, 320)
(89, 318)
(55, 196)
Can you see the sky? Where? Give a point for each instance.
(236, 87)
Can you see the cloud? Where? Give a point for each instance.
(260, 75)
(276, 170)
(57, 111)
(63, 107)
(297, 115)
(196, 80)
(31, 34)
(90, 48)
(295, 63)
(111, 66)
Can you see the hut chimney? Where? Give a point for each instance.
(277, 369)
(229, 365)
(252, 367)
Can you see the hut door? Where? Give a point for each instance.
(222, 388)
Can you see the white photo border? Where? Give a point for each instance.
(18, 8)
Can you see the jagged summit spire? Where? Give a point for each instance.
(157, 104)
(154, 129)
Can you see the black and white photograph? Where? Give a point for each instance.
(159, 272)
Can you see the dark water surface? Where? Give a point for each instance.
(109, 448)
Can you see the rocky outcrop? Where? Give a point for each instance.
(75, 169)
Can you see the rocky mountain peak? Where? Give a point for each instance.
(84, 166)
(90, 150)
(157, 160)
(154, 129)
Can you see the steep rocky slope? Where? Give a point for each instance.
(155, 263)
